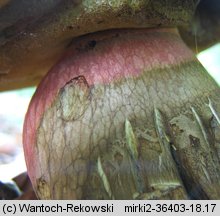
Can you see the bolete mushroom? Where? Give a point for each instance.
(127, 112)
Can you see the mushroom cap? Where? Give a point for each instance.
(35, 33)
